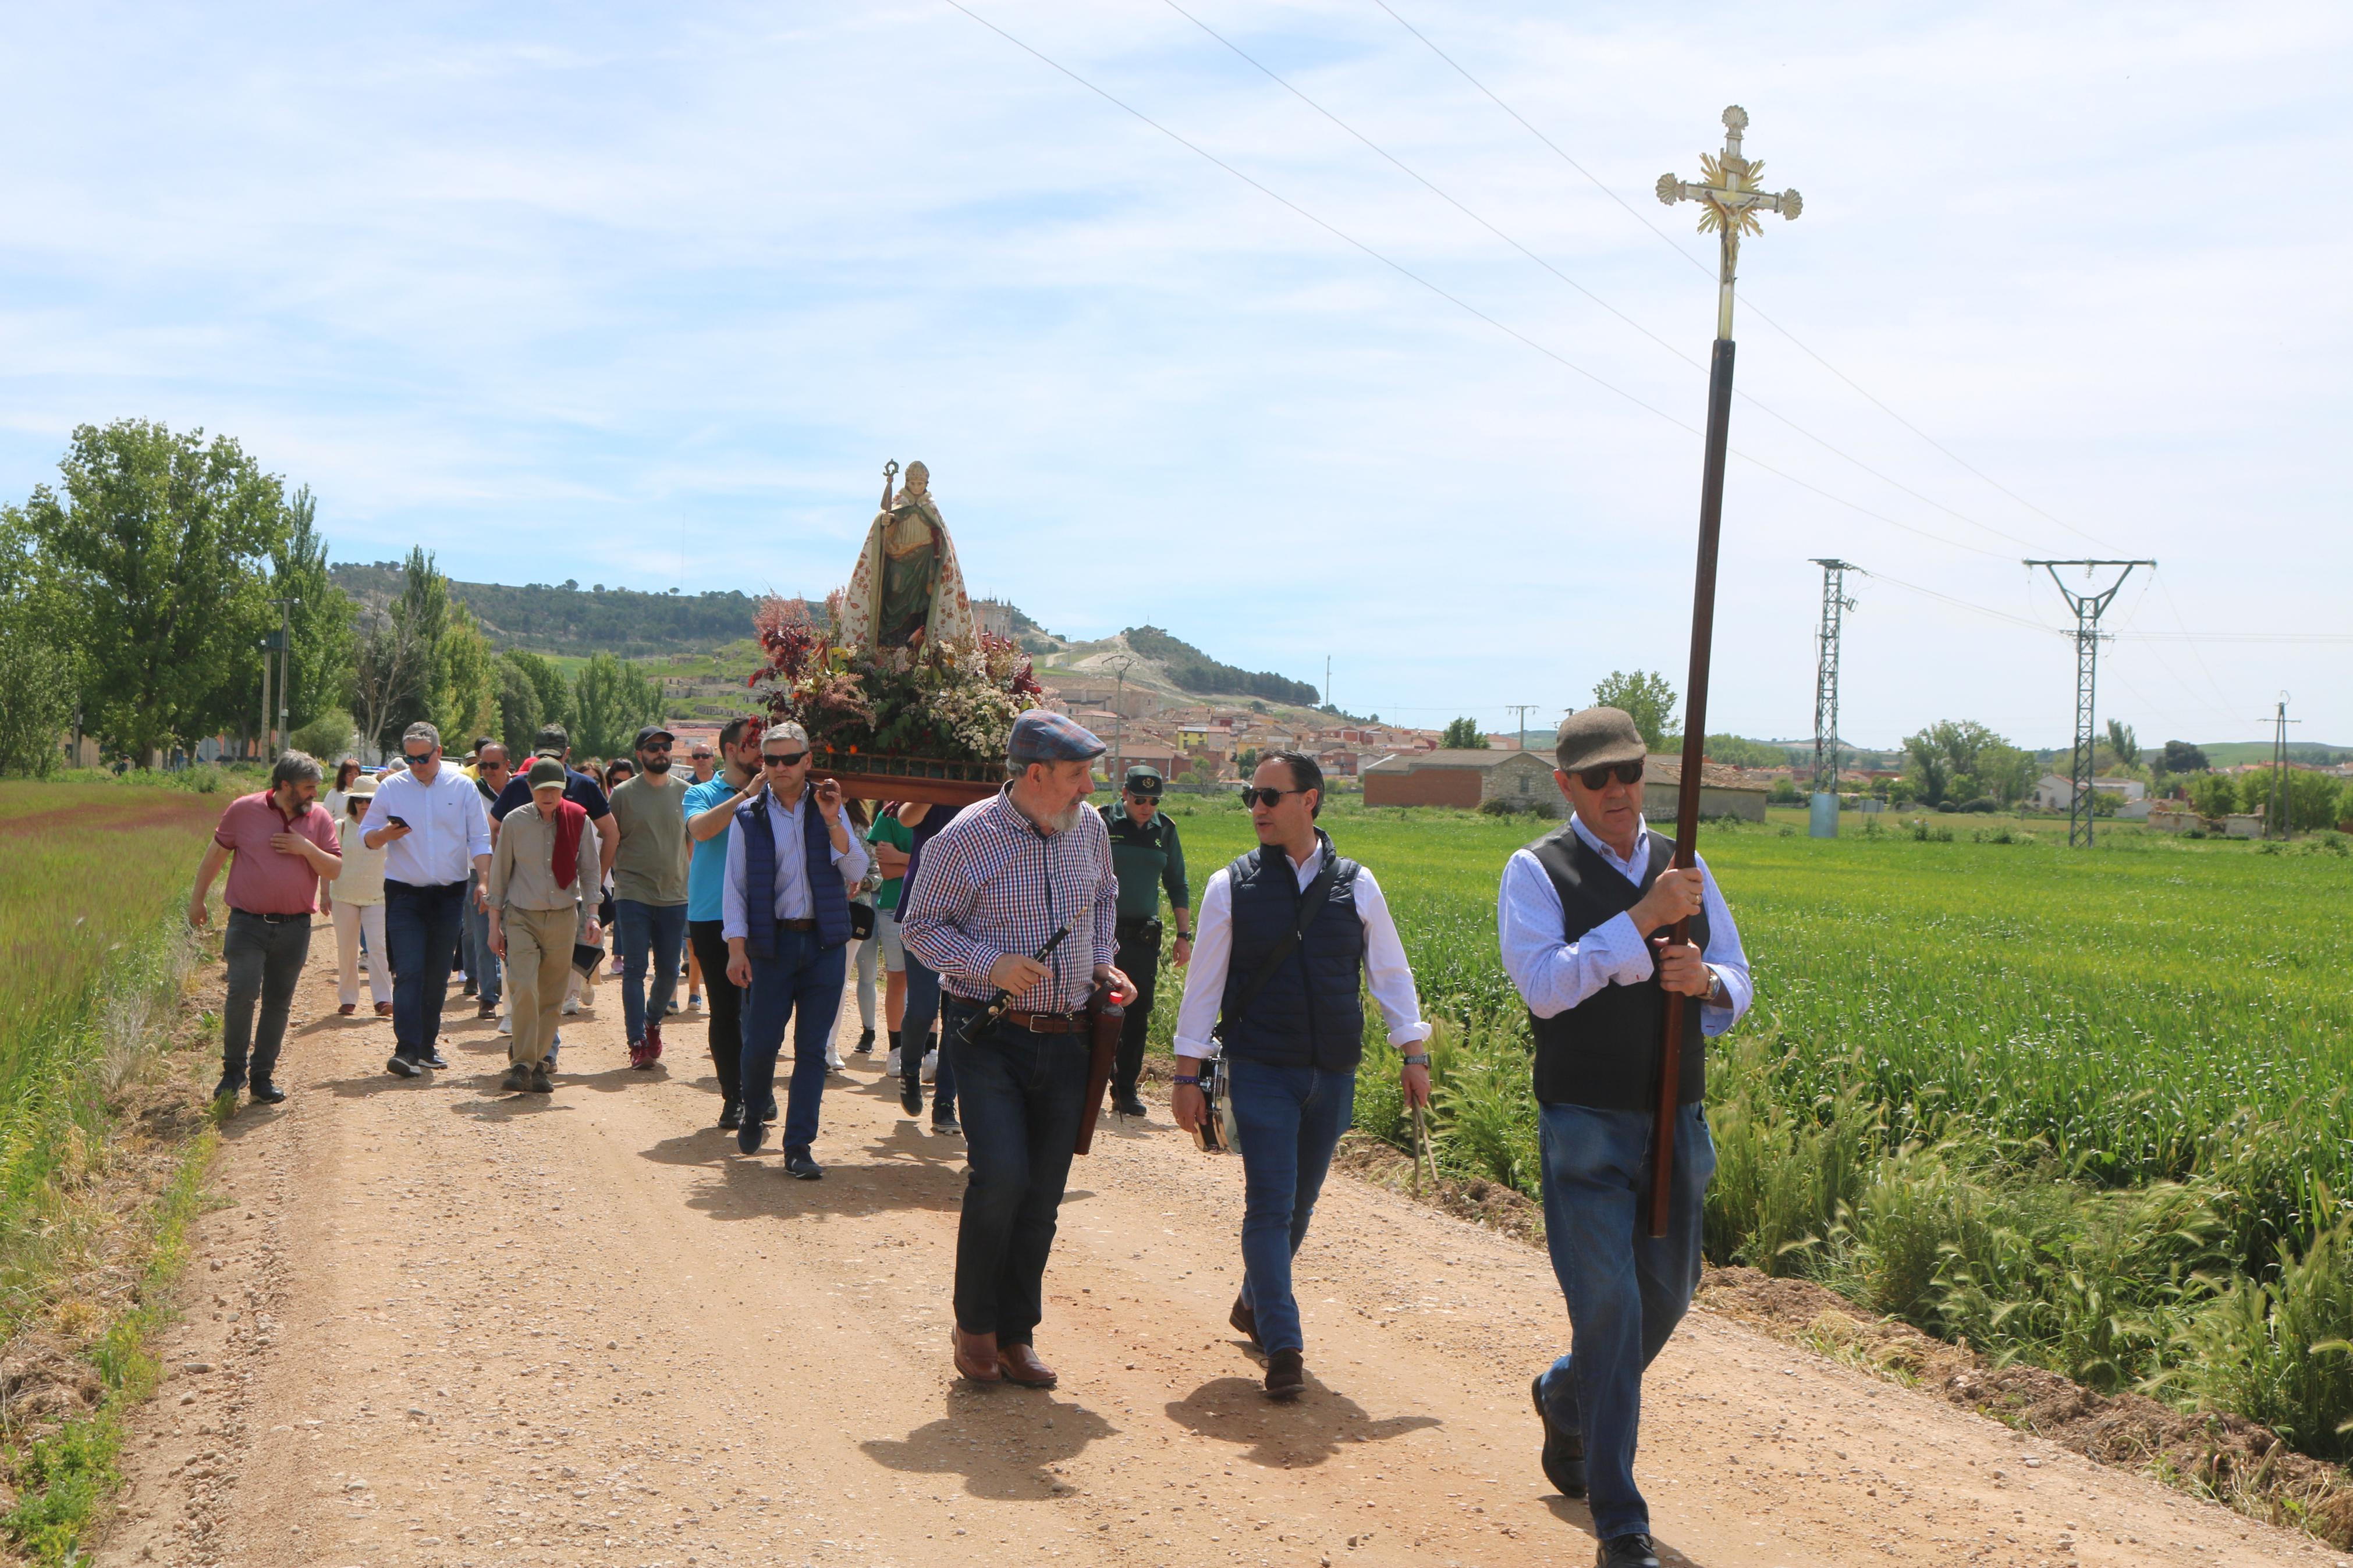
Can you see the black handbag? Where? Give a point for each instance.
(861, 921)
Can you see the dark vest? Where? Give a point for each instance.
(828, 899)
(1311, 1011)
(1604, 1052)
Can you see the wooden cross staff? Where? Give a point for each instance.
(1729, 203)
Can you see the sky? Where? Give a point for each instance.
(1314, 349)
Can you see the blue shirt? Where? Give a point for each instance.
(706, 869)
(1554, 974)
(793, 900)
(578, 788)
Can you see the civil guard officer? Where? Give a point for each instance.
(1582, 919)
(1145, 854)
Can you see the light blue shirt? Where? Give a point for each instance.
(1555, 974)
(448, 827)
(793, 900)
(706, 869)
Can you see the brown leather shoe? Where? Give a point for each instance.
(1244, 1320)
(976, 1357)
(1020, 1364)
(348, 1008)
(383, 1009)
(1286, 1376)
(486, 1010)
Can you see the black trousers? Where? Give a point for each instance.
(1139, 960)
(726, 1014)
(265, 961)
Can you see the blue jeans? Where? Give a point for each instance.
(1289, 1119)
(659, 929)
(1626, 1290)
(1024, 1095)
(922, 1007)
(802, 983)
(421, 922)
(481, 963)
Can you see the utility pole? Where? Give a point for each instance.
(285, 665)
(1835, 604)
(2276, 814)
(1519, 728)
(2088, 607)
(1120, 663)
(1327, 681)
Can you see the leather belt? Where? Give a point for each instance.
(1047, 1023)
(273, 920)
(796, 925)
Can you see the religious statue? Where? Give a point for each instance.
(907, 588)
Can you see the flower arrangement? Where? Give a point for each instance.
(950, 702)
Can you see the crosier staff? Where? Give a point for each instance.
(1729, 203)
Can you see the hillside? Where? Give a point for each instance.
(566, 618)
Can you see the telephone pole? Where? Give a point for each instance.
(2275, 815)
(1520, 730)
(1122, 663)
(2088, 607)
(1835, 604)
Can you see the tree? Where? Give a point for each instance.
(383, 671)
(609, 700)
(1646, 697)
(1246, 761)
(1464, 735)
(1945, 758)
(2181, 757)
(2214, 795)
(466, 698)
(2005, 772)
(323, 617)
(2124, 743)
(1732, 751)
(2315, 800)
(421, 618)
(159, 543)
(550, 701)
(36, 670)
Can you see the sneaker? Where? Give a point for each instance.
(401, 1067)
(1128, 1105)
(946, 1126)
(804, 1169)
(751, 1135)
(435, 1059)
(229, 1088)
(267, 1093)
(639, 1061)
(833, 1062)
(467, 989)
(768, 1112)
(506, 1023)
(931, 1064)
(653, 1044)
(890, 1063)
(486, 1010)
(542, 1080)
(865, 1046)
(571, 1006)
(518, 1079)
(910, 1097)
(694, 1001)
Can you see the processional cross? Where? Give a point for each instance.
(1730, 202)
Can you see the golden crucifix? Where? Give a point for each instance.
(1730, 202)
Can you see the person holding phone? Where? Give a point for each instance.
(430, 823)
(791, 862)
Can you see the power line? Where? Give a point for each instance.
(1755, 310)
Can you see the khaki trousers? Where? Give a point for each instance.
(539, 956)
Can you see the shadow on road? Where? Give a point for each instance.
(905, 1169)
(1004, 1442)
(1285, 1436)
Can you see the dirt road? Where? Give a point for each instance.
(438, 1325)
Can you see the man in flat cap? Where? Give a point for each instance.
(996, 884)
(1584, 922)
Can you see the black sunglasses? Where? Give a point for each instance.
(1271, 796)
(651, 747)
(1598, 778)
(416, 759)
(778, 759)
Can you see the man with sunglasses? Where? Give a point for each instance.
(792, 859)
(993, 889)
(1290, 934)
(650, 891)
(429, 822)
(1148, 857)
(1582, 919)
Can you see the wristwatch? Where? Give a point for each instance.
(1718, 995)
(1416, 1060)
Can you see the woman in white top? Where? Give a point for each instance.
(345, 771)
(357, 905)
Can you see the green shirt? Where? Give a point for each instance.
(650, 865)
(1145, 859)
(900, 837)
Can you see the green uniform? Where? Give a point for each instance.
(1146, 859)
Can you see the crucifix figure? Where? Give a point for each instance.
(1730, 202)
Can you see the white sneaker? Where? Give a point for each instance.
(571, 1006)
(890, 1068)
(931, 1064)
(506, 1023)
(833, 1062)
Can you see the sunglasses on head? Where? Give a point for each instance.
(1598, 778)
(1269, 797)
(783, 759)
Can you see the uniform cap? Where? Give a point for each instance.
(1143, 779)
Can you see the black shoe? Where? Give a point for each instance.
(803, 1168)
(540, 1083)
(1286, 1376)
(1563, 1452)
(518, 1079)
(947, 1127)
(1131, 1106)
(401, 1067)
(1631, 1550)
(434, 1058)
(768, 1113)
(865, 1046)
(750, 1136)
(1245, 1320)
(229, 1088)
(268, 1094)
(910, 1095)
(730, 1115)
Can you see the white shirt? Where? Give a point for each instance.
(1555, 974)
(793, 897)
(1385, 969)
(448, 827)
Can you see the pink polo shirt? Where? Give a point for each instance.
(266, 881)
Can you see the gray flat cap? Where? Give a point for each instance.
(1596, 738)
(1040, 736)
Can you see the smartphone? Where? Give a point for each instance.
(396, 822)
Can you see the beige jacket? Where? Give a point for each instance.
(522, 875)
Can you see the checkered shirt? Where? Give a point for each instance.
(991, 884)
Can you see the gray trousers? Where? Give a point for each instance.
(265, 960)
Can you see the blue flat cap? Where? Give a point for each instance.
(1040, 736)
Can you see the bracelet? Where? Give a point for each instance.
(1419, 1059)
(1194, 1079)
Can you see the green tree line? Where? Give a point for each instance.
(136, 592)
